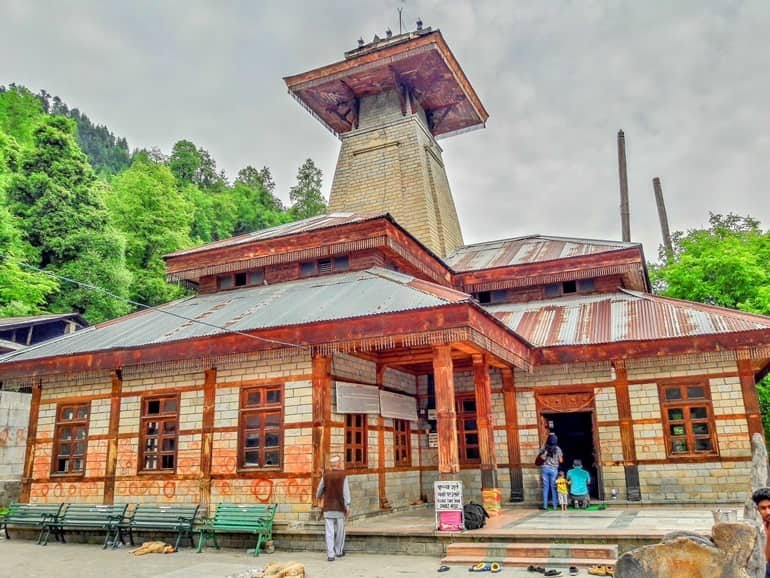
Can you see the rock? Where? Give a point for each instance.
(736, 550)
(759, 474)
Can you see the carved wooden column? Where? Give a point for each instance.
(112, 436)
(381, 478)
(750, 397)
(29, 453)
(207, 435)
(512, 435)
(446, 416)
(633, 488)
(485, 421)
(322, 408)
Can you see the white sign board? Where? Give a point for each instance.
(398, 406)
(357, 398)
(448, 495)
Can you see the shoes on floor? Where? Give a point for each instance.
(495, 567)
(552, 572)
(330, 558)
(480, 567)
(443, 568)
(573, 571)
(539, 569)
(602, 570)
(341, 554)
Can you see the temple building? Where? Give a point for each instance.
(373, 332)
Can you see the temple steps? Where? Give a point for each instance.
(530, 553)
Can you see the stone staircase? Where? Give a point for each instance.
(536, 554)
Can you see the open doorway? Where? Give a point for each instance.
(576, 440)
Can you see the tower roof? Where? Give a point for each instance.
(419, 63)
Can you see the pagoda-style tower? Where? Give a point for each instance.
(387, 102)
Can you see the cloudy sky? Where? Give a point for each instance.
(688, 81)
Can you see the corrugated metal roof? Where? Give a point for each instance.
(303, 226)
(529, 249)
(616, 317)
(355, 294)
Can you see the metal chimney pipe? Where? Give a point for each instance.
(662, 216)
(625, 214)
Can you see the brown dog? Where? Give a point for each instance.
(153, 548)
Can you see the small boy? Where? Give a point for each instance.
(562, 490)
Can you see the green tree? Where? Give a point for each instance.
(20, 112)
(155, 217)
(307, 200)
(260, 180)
(728, 265)
(62, 215)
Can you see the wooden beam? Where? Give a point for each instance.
(512, 435)
(29, 452)
(321, 434)
(207, 435)
(750, 397)
(627, 441)
(485, 422)
(113, 429)
(446, 416)
(381, 478)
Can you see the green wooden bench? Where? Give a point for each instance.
(239, 519)
(177, 518)
(87, 517)
(29, 516)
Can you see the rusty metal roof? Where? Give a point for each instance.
(375, 291)
(616, 317)
(297, 227)
(26, 321)
(528, 249)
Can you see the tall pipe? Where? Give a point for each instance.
(625, 214)
(662, 216)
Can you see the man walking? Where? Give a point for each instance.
(761, 498)
(335, 491)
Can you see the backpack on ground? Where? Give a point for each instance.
(475, 516)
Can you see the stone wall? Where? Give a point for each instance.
(14, 420)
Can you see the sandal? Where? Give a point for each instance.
(598, 570)
(495, 567)
(480, 567)
(443, 568)
(553, 572)
(573, 571)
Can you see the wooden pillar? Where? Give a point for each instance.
(29, 453)
(512, 435)
(446, 416)
(207, 435)
(633, 487)
(113, 428)
(322, 409)
(381, 478)
(485, 421)
(750, 397)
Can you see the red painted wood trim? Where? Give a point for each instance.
(112, 437)
(29, 452)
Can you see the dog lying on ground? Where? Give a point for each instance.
(153, 548)
(288, 570)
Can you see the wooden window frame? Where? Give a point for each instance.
(252, 278)
(77, 421)
(463, 433)
(324, 266)
(160, 435)
(262, 408)
(356, 452)
(687, 422)
(402, 443)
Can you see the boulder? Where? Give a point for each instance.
(736, 550)
(759, 474)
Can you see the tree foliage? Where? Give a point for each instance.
(307, 200)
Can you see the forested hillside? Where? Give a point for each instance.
(77, 205)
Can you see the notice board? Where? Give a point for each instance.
(357, 398)
(448, 500)
(398, 406)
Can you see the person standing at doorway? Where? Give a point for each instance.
(761, 499)
(335, 491)
(553, 456)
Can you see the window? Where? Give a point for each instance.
(497, 296)
(260, 427)
(70, 438)
(241, 279)
(402, 455)
(585, 285)
(567, 287)
(688, 420)
(355, 440)
(324, 266)
(467, 430)
(158, 433)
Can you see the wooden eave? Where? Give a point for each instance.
(376, 68)
(382, 232)
(628, 262)
(446, 324)
(752, 344)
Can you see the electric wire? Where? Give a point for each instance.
(152, 307)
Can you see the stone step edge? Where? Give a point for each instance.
(605, 550)
(543, 545)
(524, 562)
